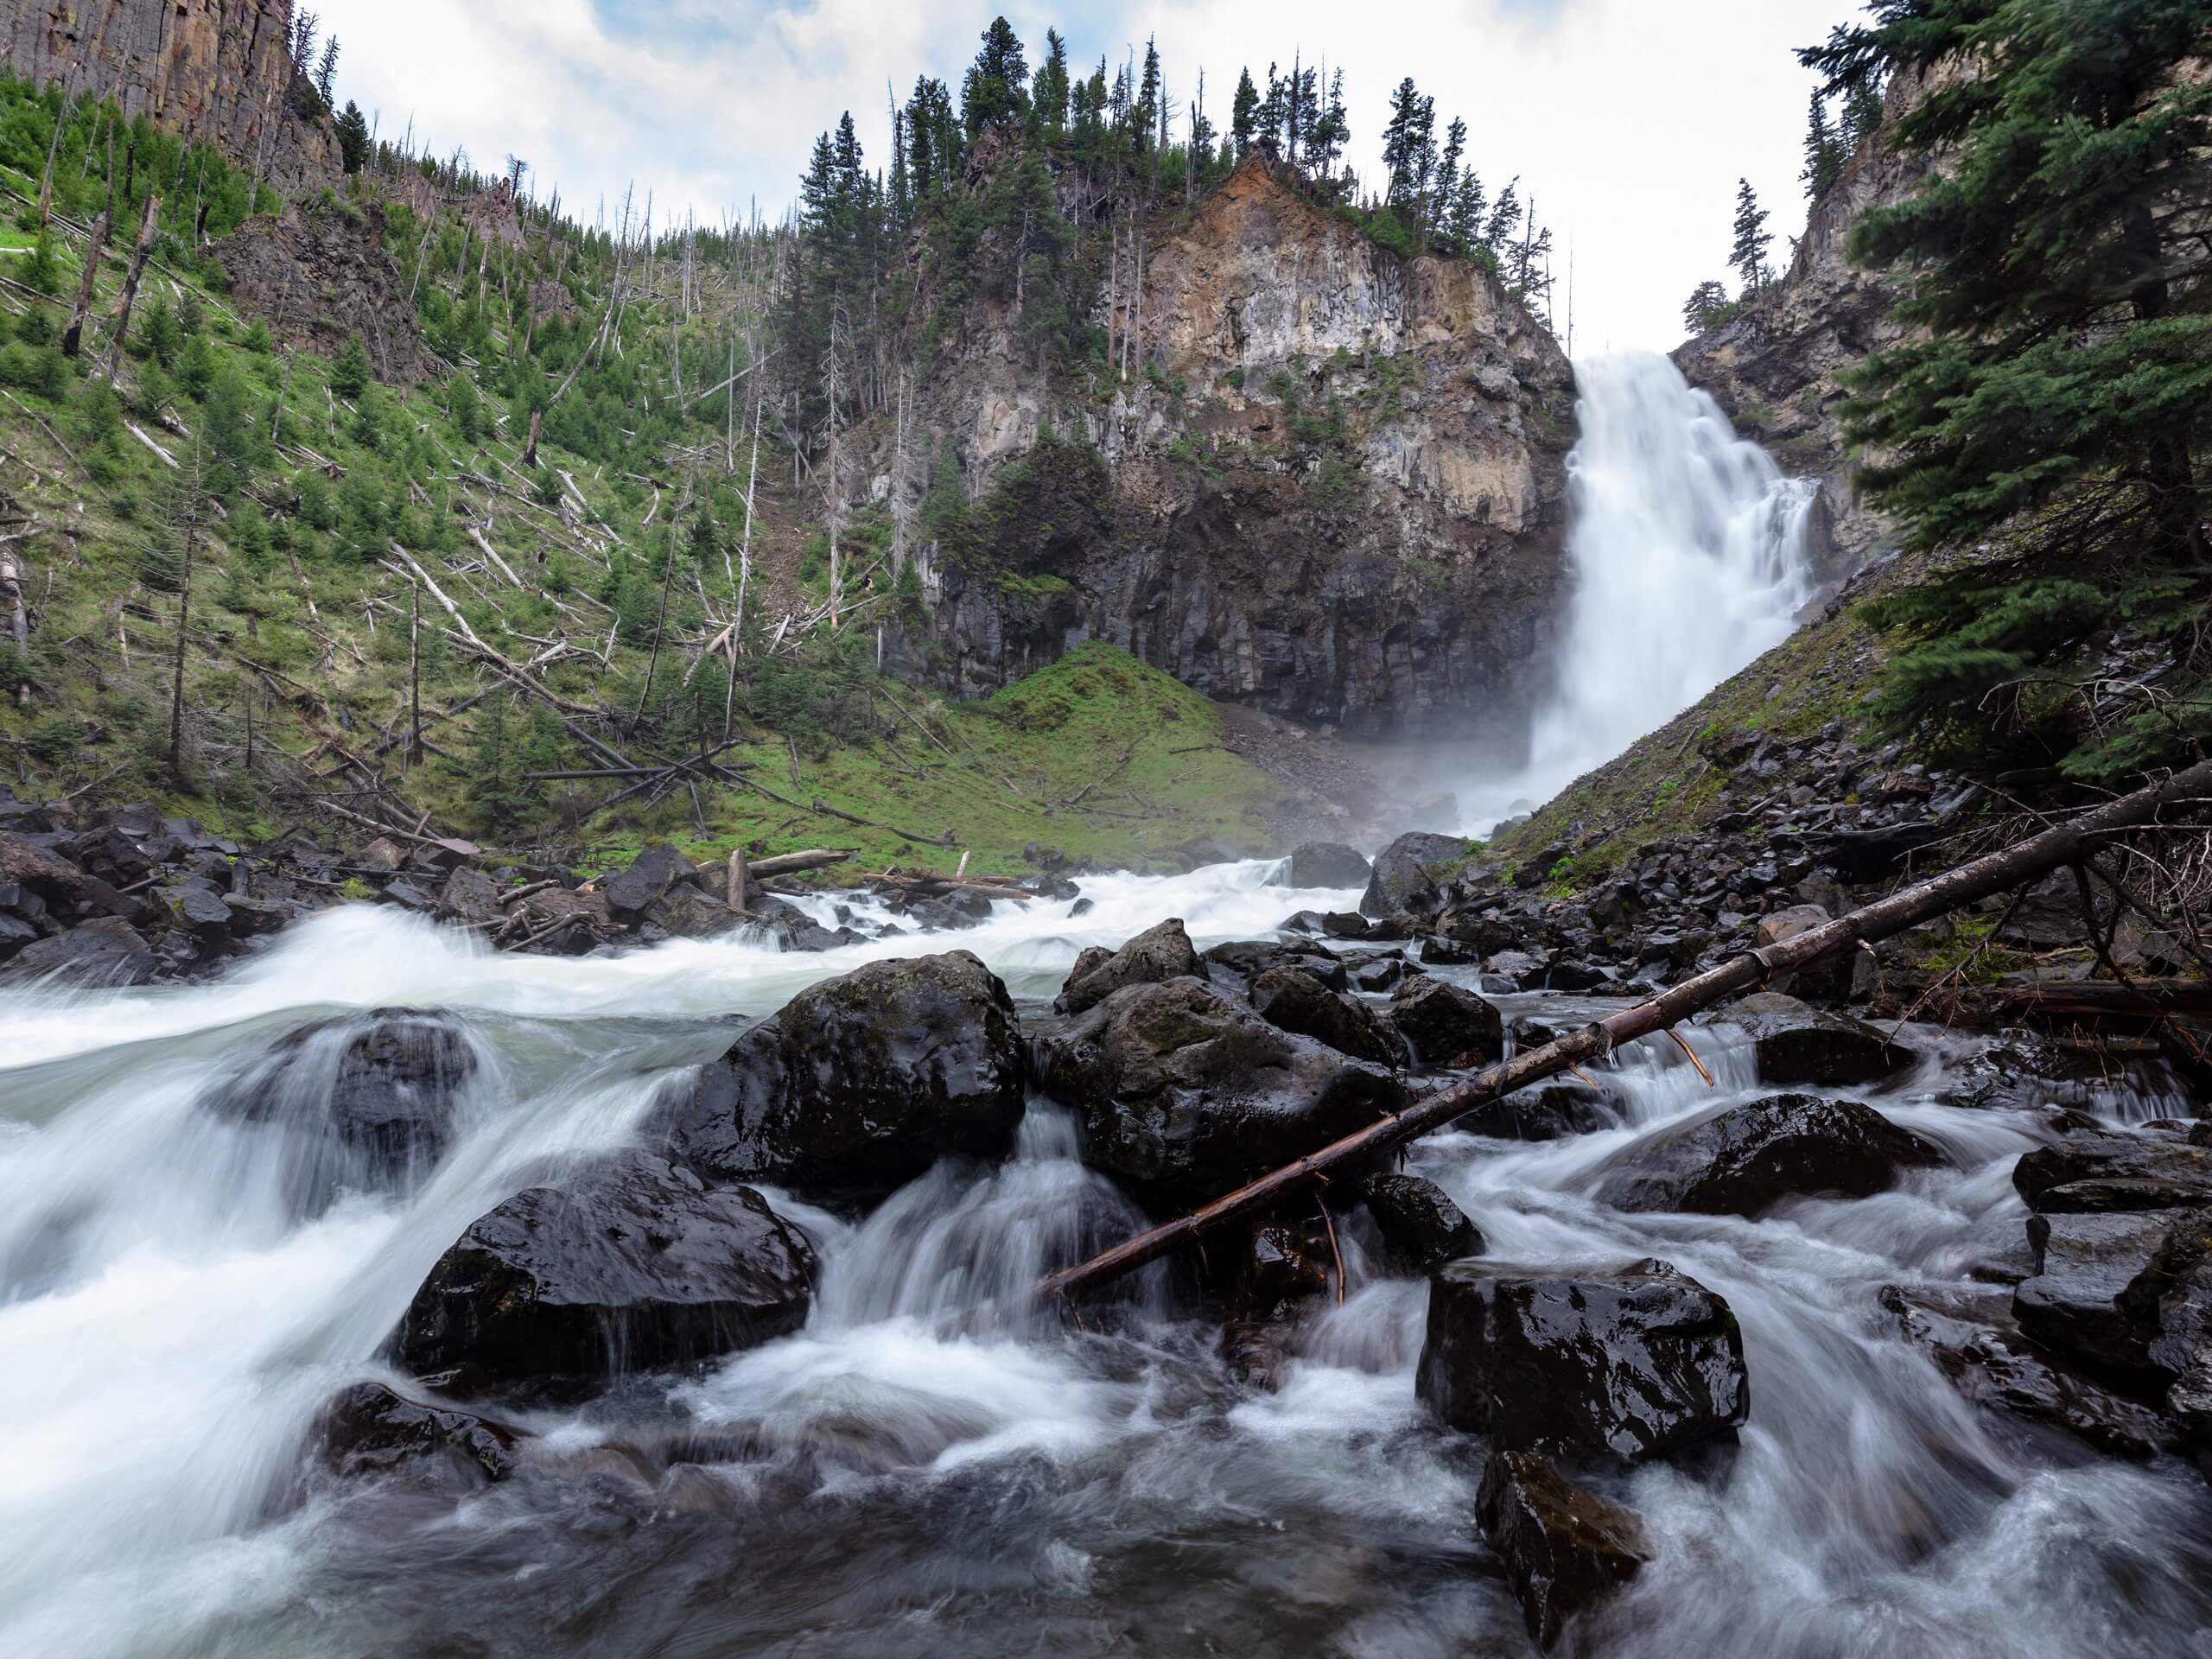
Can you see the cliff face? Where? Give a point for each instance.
(216, 70)
(1776, 367)
(1335, 492)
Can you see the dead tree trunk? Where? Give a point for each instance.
(52, 149)
(72, 337)
(12, 589)
(1996, 872)
(128, 297)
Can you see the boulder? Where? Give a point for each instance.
(1831, 979)
(369, 1099)
(631, 1264)
(1421, 1227)
(469, 895)
(1406, 873)
(1744, 1161)
(1973, 1339)
(1235, 967)
(1181, 1094)
(2084, 1264)
(861, 1083)
(1291, 999)
(1541, 1112)
(107, 951)
(371, 1430)
(25, 864)
(650, 875)
(1328, 864)
(1374, 971)
(1564, 1548)
(1797, 1047)
(2099, 1171)
(1444, 1025)
(1161, 952)
(1641, 1362)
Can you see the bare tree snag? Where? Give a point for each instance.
(128, 297)
(2028, 860)
(72, 337)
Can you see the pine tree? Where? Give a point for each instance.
(499, 796)
(353, 137)
(349, 370)
(1504, 222)
(1050, 90)
(1862, 116)
(1825, 153)
(1708, 303)
(1748, 255)
(2061, 303)
(467, 409)
(995, 92)
(326, 72)
(1447, 176)
(1408, 150)
(1244, 114)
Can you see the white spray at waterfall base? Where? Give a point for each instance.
(1688, 556)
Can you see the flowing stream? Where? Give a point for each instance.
(926, 1468)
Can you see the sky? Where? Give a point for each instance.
(1628, 121)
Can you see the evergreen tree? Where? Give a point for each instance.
(326, 72)
(1408, 150)
(1825, 151)
(2062, 305)
(499, 796)
(349, 370)
(1862, 115)
(467, 409)
(1463, 229)
(1244, 114)
(1331, 130)
(1708, 303)
(1748, 255)
(1447, 176)
(1050, 90)
(353, 137)
(995, 92)
(1504, 222)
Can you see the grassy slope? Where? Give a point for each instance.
(100, 654)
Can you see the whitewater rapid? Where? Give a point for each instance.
(929, 1466)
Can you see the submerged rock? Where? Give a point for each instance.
(371, 1430)
(1565, 1548)
(1328, 864)
(1161, 952)
(1181, 1094)
(1419, 1225)
(1744, 1161)
(1406, 873)
(1641, 1362)
(633, 1263)
(1541, 1112)
(1444, 1025)
(861, 1083)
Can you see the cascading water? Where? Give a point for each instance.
(1688, 549)
(928, 1467)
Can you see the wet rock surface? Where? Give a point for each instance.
(1182, 1094)
(632, 1264)
(863, 1081)
(1422, 1227)
(1161, 952)
(1796, 1046)
(370, 1430)
(1564, 1547)
(1445, 1025)
(1745, 1159)
(1294, 1000)
(1544, 1112)
(1407, 873)
(1607, 1368)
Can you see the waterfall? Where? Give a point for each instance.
(1688, 550)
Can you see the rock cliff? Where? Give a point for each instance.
(1776, 367)
(1334, 490)
(218, 72)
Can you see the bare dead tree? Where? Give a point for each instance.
(72, 337)
(128, 297)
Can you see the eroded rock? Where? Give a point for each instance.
(1444, 1025)
(1744, 1161)
(1565, 1548)
(1420, 1225)
(1160, 952)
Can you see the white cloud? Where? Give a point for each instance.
(1628, 120)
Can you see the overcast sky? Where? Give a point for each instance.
(1629, 121)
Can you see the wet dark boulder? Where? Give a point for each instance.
(1619, 1367)
(369, 1100)
(861, 1083)
(1565, 1548)
(104, 951)
(1328, 864)
(1973, 1339)
(1181, 1094)
(1796, 1047)
(26, 864)
(2095, 1171)
(1408, 872)
(1374, 971)
(1160, 952)
(1745, 1159)
(650, 875)
(1236, 966)
(1444, 1025)
(1541, 1112)
(1291, 999)
(2084, 1266)
(370, 1430)
(633, 1263)
(1421, 1227)
(469, 895)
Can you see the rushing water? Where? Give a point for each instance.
(1688, 549)
(929, 1467)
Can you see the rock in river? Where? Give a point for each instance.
(633, 1263)
(1327, 864)
(1420, 1226)
(1407, 872)
(1160, 952)
(1798, 1047)
(1619, 1367)
(862, 1083)
(1564, 1548)
(1744, 1161)
(1445, 1024)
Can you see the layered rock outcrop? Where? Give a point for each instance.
(1331, 485)
(217, 72)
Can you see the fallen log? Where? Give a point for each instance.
(2144, 999)
(792, 864)
(2027, 861)
(928, 885)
